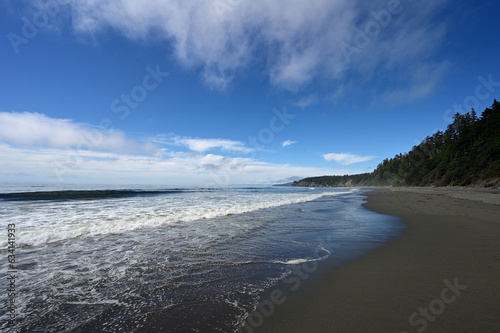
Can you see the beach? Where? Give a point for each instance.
(440, 275)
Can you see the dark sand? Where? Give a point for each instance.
(443, 274)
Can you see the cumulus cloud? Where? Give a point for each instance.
(287, 143)
(346, 158)
(295, 41)
(35, 129)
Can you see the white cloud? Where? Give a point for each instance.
(201, 145)
(35, 147)
(170, 168)
(346, 158)
(35, 129)
(287, 143)
(297, 41)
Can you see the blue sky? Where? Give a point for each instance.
(221, 92)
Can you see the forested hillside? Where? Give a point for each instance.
(467, 153)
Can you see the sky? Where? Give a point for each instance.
(226, 92)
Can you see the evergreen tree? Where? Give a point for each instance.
(468, 152)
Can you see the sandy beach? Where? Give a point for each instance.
(441, 275)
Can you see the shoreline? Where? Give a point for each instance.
(441, 275)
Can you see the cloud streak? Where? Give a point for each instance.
(202, 145)
(287, 143)
(347, 158)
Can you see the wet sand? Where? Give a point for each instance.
(441, 275)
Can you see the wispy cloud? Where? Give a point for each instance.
(307, 101)
(201, 145)
(296, 40)
(347, 158)
(424, 82)
(287, 143)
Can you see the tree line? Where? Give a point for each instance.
(466, 154)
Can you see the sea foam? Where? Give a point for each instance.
(46, 221)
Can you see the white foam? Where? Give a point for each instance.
(294, 261)
(47, 222)
(304, 260)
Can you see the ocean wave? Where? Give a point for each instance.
(81, 194)
(53, 221)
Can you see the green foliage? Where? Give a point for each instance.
(467, 153)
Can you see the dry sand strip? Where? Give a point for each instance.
(442, 275)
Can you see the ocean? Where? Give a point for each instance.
(87, 258)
